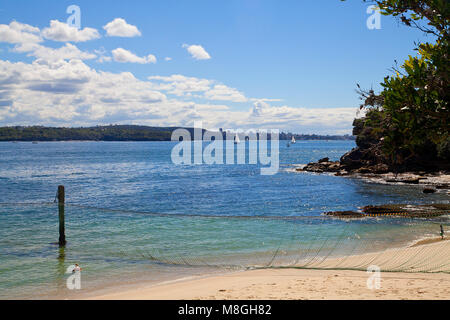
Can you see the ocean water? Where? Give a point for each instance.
(133, 216)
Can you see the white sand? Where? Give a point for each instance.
(320, 284)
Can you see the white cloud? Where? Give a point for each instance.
(27, 39)
(59, 31)
(318, 120)
(71, 93)
(102, 55)
(120, 28)
(102, 59)
(265, 99)
(224, 93)
(168, 58)
(123, 56)
(180, 85)
(58, 88)
(67, 52)
(197, 52)
(19, 33)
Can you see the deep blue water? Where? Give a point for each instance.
(131, 180)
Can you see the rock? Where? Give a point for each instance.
(411, 181)
(313, 167)
(345, 214)
(334, 167)
(407, 210)
(405, 180)
(429, 190)
(324, 160)
(322, 167)
(383, 209)
(352, 159)
(380, 168)
(363, 170)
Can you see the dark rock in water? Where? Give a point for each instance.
(345, 214)
(410, 211)
(396, 210)
(383, 209)
(442, 206)
(429, 190)
(348, 164)
(320, 167)
(443, 186)
(407, 180)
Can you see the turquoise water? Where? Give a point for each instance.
(160, 221)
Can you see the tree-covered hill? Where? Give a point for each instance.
(100, 133)
(118, 133)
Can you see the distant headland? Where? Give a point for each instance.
(120, 133)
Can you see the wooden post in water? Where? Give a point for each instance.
(61, 200)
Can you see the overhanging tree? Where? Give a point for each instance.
(412, 111)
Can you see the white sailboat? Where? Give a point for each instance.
(293, 140)
(236, 139)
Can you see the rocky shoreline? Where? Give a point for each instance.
(380, 173)
(430, 181)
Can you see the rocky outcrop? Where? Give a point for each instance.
(369, 158)
(348, 164)
(324, 166)
(395, 210)
(345, 214)
(380, 173)
(429, 190)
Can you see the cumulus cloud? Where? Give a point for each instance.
(58, 88)
(318, 120)
(180, 85)
(120, 28)
(102, 55)
(60, 31)
(67, 52)
(27, 39)
(224, 93)
(258, 108)
(123, 56)
(102, 59)
(197, 52)
(19, 33)
(72, 93)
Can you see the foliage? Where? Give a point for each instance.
(118, 133)
(412, 111)
(105, 133)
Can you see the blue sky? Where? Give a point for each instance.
(291, 65)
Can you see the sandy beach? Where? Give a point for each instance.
(321, 283)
